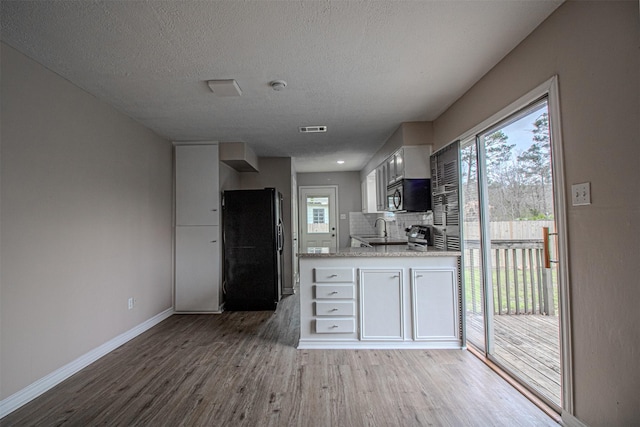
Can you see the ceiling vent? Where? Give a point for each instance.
(224, 87)
(313, 129)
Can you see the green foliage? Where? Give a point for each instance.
(536, 216)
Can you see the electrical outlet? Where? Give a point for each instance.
(131, 302)
(581, 194)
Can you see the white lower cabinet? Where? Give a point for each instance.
(338, 308)
(379, 302)
(434, 297)
(335, 326)
(197, 269)
(381, 305)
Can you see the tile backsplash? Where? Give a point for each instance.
(364, 224)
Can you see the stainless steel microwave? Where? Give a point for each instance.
(409, 195)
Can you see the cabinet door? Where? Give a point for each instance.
(197, 268)
(434, 295)
(415, 161)
(369, 193)
(381, 188)
(398, 160)
(197, 193)
(391, 170)
(381, 313)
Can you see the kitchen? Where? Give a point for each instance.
(68, 157)
(396, 286)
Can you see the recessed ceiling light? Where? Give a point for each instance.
(313, 129)
(224, 87)
(340, 162)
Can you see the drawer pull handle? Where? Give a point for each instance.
(419, 275)
(334, 326)
(333, 293)
(333, 275)
(334, 309)
(395, 277)
(213, 241)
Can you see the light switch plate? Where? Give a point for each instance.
(581, 194)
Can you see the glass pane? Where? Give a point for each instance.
(520, 201)
(317, 214)
(472, 274)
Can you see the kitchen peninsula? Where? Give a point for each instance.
(380, 297)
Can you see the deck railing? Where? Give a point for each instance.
(521, 283)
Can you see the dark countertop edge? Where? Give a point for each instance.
(365, 238)
(373, 241)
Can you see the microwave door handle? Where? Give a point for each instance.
(397, 199)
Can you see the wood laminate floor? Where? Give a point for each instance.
(243, 369)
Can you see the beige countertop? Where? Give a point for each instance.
(376, 251)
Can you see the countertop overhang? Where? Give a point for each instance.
(376, 251)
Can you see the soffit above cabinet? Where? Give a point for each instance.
(239, 156)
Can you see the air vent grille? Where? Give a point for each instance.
(313, 129)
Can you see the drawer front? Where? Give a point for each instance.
(328, 275)
(330, 308)
(335, 326)
(335, 291)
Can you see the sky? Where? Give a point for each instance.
(520, 132)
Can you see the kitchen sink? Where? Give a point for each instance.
(377, 240)
(385, 241)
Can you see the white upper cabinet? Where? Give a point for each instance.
(370, 194)
(197, 192)
(381, 187)
(409, 162)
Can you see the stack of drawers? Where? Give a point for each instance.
(334, 302)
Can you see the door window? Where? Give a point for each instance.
(317, 214)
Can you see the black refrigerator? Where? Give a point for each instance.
(253, 240)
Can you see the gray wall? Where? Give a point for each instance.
(593, 48)
(229, 178)
(349, 195)
(86, 207)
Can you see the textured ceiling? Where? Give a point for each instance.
(359, 67)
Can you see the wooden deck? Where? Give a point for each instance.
(528, 346)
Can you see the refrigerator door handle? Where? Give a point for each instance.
(280, 236)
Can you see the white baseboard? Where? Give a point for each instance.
(311, 344)
(569, 420)
(44, 384)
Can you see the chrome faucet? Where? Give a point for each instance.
(385, 225)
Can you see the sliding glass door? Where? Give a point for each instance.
(472, 260)
(511, 281)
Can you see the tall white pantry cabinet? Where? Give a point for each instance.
(197, 239)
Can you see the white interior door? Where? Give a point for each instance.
(318, 218)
